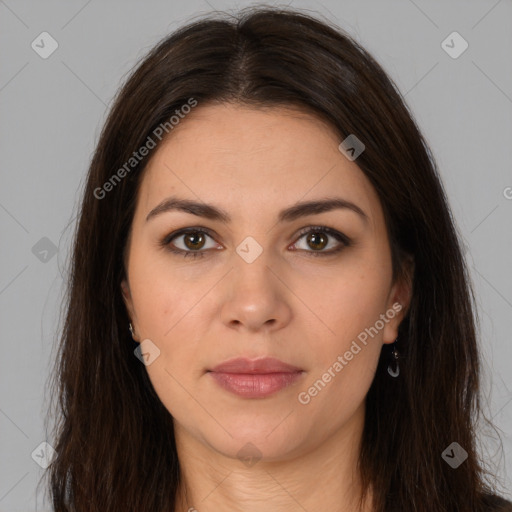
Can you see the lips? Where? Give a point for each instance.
(248, 366)
(257, 378)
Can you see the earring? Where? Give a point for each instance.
(131, 329)
(394, 372)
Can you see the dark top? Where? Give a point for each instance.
(497, 504)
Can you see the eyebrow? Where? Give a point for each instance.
(212, 212)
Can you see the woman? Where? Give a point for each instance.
(268, 305)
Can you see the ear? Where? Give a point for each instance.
(399, 300)
(127, 298)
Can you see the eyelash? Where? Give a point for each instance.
(340, 237)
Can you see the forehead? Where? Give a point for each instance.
(247, 158)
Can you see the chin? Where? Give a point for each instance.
(256, 440)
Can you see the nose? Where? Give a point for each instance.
(256, 297)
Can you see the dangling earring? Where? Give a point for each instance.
(394, 372)
(131, 329)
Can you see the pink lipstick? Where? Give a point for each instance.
(256, 378)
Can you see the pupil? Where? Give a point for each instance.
(194, 238)
(313, 237)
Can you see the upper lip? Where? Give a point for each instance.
(262, 365)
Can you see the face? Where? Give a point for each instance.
(311, 287)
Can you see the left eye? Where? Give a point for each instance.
(317, 236)
(194, 241)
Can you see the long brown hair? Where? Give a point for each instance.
(114, 438)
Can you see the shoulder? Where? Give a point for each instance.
(494, 503)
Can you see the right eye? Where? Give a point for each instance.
(193, 240)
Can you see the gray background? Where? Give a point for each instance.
(52, 110)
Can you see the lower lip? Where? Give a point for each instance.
(258, 385)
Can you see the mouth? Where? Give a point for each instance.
(253, 366)
(258, 378)
(256, 385)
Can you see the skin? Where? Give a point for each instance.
(303, 309)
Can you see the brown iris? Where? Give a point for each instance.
(195, 240)
(317, 238)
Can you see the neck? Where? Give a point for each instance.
(323, 478)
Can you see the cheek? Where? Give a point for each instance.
(160, 295)
(346, 361)
(348, 302)
(349, 326)
(168, 315)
